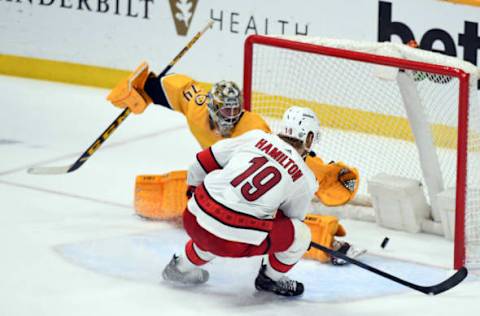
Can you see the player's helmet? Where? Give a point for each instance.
(298, 122)
(225, 105)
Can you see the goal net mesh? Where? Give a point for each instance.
(363, 117)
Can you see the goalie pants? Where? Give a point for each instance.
(285, 244)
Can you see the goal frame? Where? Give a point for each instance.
(463, 77)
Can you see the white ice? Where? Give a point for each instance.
(72, 244)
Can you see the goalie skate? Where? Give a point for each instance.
(173, 274)
(284, 286)
(347, 249)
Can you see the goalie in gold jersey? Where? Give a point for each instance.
(217, 113)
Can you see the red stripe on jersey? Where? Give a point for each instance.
(228, 216)
(192, 254)
(279, 239)
(277, 265)
(207, 160)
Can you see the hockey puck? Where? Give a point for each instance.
(384, 242)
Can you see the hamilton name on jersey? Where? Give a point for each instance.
(283, 159)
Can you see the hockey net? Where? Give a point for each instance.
(384, 108)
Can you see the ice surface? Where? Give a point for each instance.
(71, 244)
(140, 257)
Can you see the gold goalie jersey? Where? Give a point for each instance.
(187, 96)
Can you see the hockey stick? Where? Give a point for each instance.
(446, 285)
(112, 127)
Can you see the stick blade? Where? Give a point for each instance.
(49, 170)
(449, 283)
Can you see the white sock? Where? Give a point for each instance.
(272, 273)
(184, 265)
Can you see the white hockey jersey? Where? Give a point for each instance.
(243, 181)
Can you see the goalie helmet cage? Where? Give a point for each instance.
(384, 108)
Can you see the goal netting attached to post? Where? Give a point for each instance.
(387, 109)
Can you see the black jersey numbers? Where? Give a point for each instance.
(189, 93)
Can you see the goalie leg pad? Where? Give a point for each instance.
(324, 228)
(161, 197)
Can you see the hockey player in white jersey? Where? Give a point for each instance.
(250, 195)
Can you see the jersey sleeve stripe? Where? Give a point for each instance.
(155, 91)
(213, 157)
(207, 160)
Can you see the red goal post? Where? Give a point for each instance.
(354, 89)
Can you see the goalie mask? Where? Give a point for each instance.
(225, 106)
(298, 122)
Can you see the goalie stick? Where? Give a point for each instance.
(441, 287)
(112, 127)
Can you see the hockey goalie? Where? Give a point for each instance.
(214, 114)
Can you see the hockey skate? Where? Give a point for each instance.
(346, 249)
(173, 274)
(284, 286)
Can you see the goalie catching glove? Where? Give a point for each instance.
(338, 182)
(339, 185)
(130, 93)
(347, 177)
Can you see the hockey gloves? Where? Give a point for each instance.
(130, 93)
(338, 185)
(348, 178)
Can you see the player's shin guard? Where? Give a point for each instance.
(197, 256)
(282, 262)
(271, 276)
